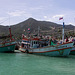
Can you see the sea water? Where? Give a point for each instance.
(29, 64)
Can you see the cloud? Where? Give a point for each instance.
(71, 23)
(19, 13)
(45, 17)
(52, 18)
(16, 13)
(3, 20)
(56, 16)
(37, 8)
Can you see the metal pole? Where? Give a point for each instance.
(63, 33)
(10, 33)
(74, 26)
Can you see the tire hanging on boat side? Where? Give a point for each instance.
(27, 51)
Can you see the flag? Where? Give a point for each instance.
(60, 18)
(28, 29)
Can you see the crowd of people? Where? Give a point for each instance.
(54, 41)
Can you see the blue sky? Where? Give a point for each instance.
(16, 11)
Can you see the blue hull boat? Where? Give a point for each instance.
(57, 50)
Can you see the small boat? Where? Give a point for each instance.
(7, 46)
(37, 46)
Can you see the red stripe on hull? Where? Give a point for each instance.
(51, 50)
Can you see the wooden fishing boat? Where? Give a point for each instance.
(7, 46)
(33, 46)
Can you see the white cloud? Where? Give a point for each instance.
(16, 13)
(3, 20)
(71, 23)
(19, 13)
(45, 17)
(56, 16)
(48, 20)
(36, 8)
(53, 18)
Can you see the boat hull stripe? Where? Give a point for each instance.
(51, 50)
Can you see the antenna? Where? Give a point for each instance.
(74, 24)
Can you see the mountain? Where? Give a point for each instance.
(46, 28)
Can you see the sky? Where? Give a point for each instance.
(16, 11)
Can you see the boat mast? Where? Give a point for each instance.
(10, 29)
(10, 33)
(62, 29)
(63, 33)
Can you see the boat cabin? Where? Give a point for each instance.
(34, 43)
(25, 43)
(44, 42)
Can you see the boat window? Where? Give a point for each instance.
(37, 42)
(34, 42)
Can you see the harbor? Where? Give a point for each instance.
(37, 37)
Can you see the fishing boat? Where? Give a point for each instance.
(37, 46)
(7, 46)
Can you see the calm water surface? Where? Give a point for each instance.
(28, 64)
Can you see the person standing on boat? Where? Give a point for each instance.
(50, 41)
(70, 39)
(67, 39)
